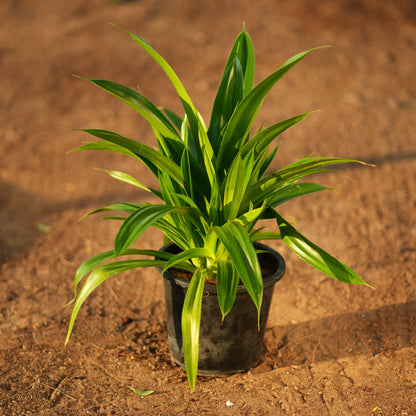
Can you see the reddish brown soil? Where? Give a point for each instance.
(330, 348)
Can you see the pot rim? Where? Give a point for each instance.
(270, 281)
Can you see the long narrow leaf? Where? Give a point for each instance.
(165, 66)
(87, 266)
(140, 104)
(266, 235)
(128, 208)
(192, 253)
(124, 177)
(111, 147)
(195, 180)
(230, 93)
(191, 319)
(234, 190)
(95, 261)
(99, 275)
(180, 89)
(227, 283)
(141, 150)
(242, 119)
(316, 256)
(137, 223)
(241, 250)
(263, 138)
(290, 175)
(295, 191)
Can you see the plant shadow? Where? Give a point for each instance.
(20, 218)
(22, 215)
(387, 328)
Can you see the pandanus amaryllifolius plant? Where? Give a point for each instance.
(214, 189)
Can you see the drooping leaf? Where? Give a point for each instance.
(191, 319)
(264, 137)
(241, 250)
(137, 223)
(180, 89)
(316, 256)
(126, 178)
(141, 392)
(93, 262)
(101, 274)
(289, 175)
(140, 104)
(295, 191)
(111, 147)
(128, 208)
(87, 266)
(141, 150)
(227, 284)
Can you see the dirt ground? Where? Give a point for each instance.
(330, 348)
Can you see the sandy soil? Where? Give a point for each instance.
(330, 348)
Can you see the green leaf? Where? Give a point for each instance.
(174, 118)
(140, 104)
(264, 163)
(124, 177)
(270, 235)
(242, 119)
(128, 208)
(111, 147)
(191, 320)
(87, 266)
(141, 392)
(137, 223)
(243, 50)
(101, 274)
(93, 262)
(192, 253)
(43, 228)
(165, 66)
(141, 150)
(315, 256)
(289, 175)
(241, 250)
(234, 189)
(236, 82)
(263, 138)
(295, 191)
(180, 89)
(207, 153)
(230, 93)
(195, 180)
(227, 284)
(251, 216)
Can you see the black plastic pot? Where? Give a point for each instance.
(234, 345)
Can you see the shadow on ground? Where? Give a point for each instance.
(387, 328)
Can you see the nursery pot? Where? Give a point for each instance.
(235, 344)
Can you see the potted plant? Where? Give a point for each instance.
(215, 189)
